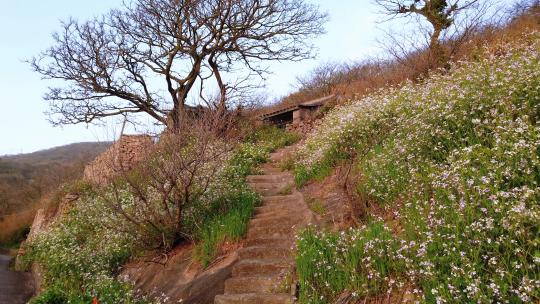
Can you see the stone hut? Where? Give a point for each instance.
(295, 114)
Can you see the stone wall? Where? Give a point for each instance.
(120, 157)
(303, 127)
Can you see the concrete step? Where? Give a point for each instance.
(288, 220)
(270, 232)
(266, 253)
(254, 298)
(270, 242)
(252, 284)
(284, 199)
(271, 178)
(265, 213)
(272, 188)
(275, 209)
(261, 267)
(270, 168)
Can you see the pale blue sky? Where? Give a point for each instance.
(26, 27)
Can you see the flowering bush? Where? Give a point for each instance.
(459, 155)
(81, 255)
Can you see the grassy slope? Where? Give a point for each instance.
(457, 159)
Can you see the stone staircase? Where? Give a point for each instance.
(263, 272)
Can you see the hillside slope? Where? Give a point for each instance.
(454, 163)
(24, 178)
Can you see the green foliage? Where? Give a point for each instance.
(361, 261)
(458, 157)
(316, 205)
(271, 137)
(81, 255)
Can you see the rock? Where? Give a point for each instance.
(180, 278)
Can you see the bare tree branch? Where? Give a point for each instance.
(122, 62)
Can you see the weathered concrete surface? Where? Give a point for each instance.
(180, 278)
(15, 287)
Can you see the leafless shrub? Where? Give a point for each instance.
(155, 200)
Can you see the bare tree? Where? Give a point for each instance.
(440, 14)
(147, 57)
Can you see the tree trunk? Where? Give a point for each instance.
(222, 107)
(437, 50)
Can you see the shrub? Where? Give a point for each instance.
(81, 255)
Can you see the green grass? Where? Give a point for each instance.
(220, 227)
(315, 205)
(272, 138)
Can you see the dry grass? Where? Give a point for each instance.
(348, 80)
(13, 223)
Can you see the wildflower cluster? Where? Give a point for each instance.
(459, 155)
(80, 253)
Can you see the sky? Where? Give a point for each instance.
(26, 27)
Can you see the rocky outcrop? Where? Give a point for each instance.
(46, 216)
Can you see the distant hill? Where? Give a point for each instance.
(25, 178)
(67, 153)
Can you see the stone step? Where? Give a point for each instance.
(266, 253)
(269, 241)
(254, 298)
(271, 178)
(261, 267)
(271, 212)
(270, 231)
(269, 168)
(285, 199)
(272, 188)
(281, 219)
(276, 157)
(252, 284)
(275, 209)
